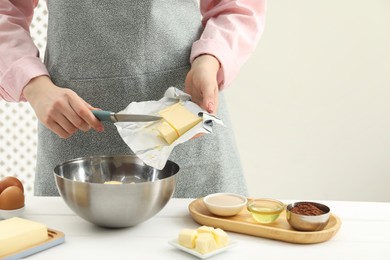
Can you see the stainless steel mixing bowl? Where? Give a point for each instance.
(143, 193)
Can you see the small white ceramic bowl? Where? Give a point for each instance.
(4, 214)
(225, 204)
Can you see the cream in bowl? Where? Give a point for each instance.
(225, 204)
(265, 210)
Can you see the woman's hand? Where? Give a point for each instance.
(201, 82)
(60, 109)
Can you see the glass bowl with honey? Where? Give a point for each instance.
(265, 210)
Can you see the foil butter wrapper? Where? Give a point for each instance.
(144, 139)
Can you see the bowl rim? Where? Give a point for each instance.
(57, 175)
(277, 202)
(239, 205)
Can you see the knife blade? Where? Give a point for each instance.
(109, 116)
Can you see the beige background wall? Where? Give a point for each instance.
(311, 108)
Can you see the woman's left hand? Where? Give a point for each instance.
(201, 82)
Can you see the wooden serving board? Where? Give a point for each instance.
(55, 238)
(278, 230)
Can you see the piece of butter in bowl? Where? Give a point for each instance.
(113, 182)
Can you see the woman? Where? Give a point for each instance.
(107, 54)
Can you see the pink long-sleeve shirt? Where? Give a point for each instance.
(232, 31)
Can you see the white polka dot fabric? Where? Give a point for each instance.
(18, 124)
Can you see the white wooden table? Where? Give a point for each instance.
(364, 234)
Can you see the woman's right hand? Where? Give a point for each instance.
(60, 109)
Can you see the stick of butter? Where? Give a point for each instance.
(18, 233)
(177, 120)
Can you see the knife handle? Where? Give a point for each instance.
(102, 115)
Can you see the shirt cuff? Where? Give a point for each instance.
(229, 68)
(18, 75)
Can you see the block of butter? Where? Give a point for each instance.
(221, 238)
(18, 233)
(167, 132)
(204, 239)
(205, 229)
(177, 120)
(187, 237)
(205, 243)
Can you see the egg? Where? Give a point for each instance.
(11, 198)
(10, 181)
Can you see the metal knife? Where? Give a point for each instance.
(104, 115)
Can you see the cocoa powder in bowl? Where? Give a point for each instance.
(307, 208)
(307, 216)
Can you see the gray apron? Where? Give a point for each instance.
(112, 53)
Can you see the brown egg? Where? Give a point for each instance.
(11, 198)
(10, 181)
